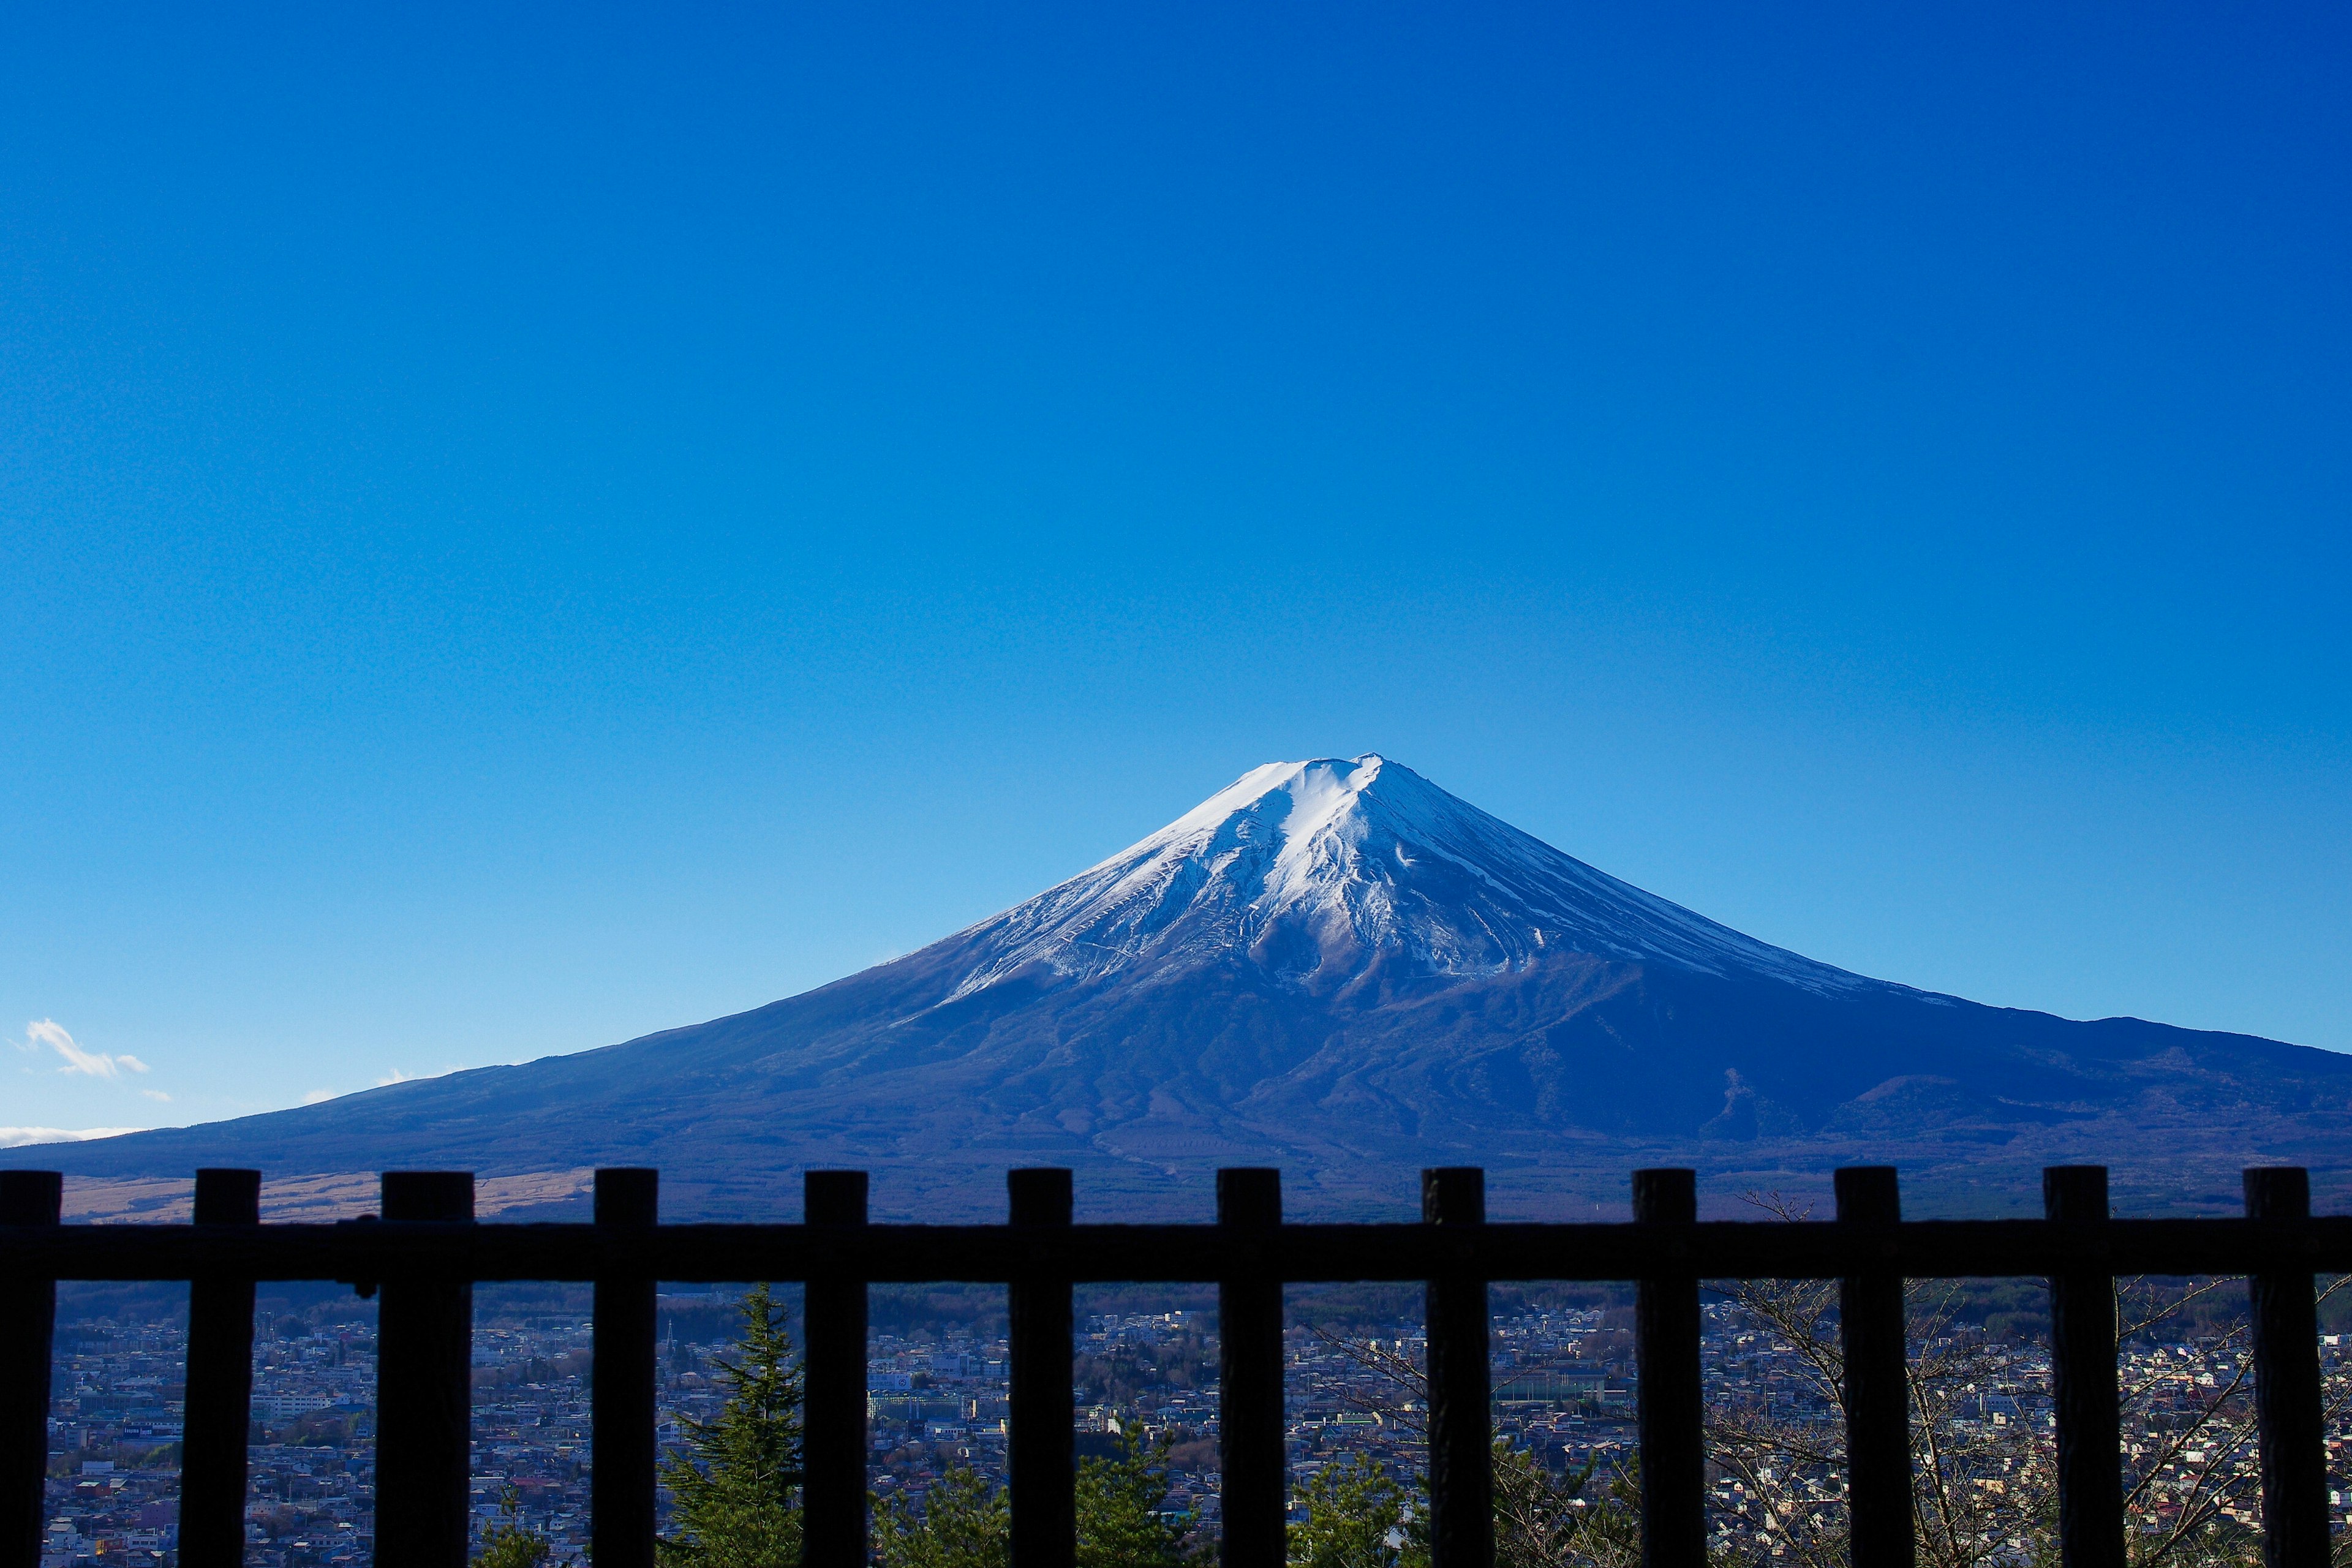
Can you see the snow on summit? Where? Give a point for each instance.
(1319, 870)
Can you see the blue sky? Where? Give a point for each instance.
(525, 526)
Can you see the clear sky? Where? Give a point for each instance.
(524, 527)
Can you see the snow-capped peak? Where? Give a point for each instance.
(1318, 869)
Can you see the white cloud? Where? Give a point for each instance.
(89, 1064)
(318, 1096)
(18, 1137)
(156, 1094)
(394, 1076)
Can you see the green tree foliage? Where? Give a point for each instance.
(1586, 1518)
(509, 1544)
(733, 1500)
(1358, 1515)
(1118, 1503)
(963, 1523)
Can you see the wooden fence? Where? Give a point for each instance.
(426, 1251)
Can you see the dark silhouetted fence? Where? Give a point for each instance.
(427, 1252)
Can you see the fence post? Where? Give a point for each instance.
(219, 1417)
(425, 1339)
(621, 1404)
(1671, 1410)
(1249, 1381)
(2082, 1383)
(1461, 1420)
(1038, 1463)
(2287, 1406)
(1877, 1398)
(833, 1445)
(28, 1320)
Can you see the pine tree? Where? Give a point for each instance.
(1360, 1516)
(963, 1523)
(509, 1544)
(1118, 1501)
(733, 1500)
(1357, 1517)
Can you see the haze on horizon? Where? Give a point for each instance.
(525, 532)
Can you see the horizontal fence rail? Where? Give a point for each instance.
(1293, 1253)
(424, 1254)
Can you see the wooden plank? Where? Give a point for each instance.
(2289, 1414)
(30, 1202)
(1877, 1385)
(1918, 1250)
(1039, 1459)
(424, 1338)
(1669, 1412)
(1250, 1393)
(219, 1417)
(2082, 1382)
(833, 1445)
(1461, 1419)
(621, 1483)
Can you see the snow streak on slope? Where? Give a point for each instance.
(1319, 870)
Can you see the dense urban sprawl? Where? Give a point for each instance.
(1564, 1392)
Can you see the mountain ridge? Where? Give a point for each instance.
(1336, 966)
(1311, 843)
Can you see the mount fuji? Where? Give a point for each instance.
(1337, 967)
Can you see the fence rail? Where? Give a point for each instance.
(425, 1252)
(1294, 1254)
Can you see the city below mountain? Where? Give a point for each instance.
(1338, 968)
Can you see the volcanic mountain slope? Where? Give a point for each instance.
(1336, 966)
